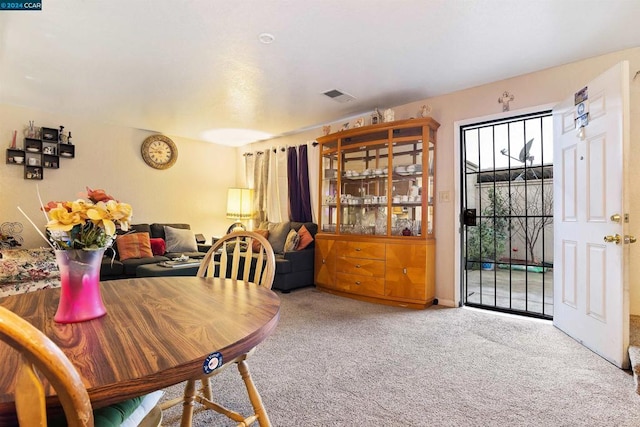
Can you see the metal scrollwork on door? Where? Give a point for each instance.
(10, 234)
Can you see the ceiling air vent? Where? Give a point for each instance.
(339, 96)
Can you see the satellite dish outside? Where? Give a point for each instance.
(524, 153)
(523, 157)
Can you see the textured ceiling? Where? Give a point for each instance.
(183, 67)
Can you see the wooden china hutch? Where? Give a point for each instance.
(376, 221)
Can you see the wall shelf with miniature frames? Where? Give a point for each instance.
(42, 148)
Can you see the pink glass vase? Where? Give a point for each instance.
(80, 297)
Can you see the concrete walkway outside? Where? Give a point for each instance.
(511, 289)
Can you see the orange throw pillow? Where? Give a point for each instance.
(134, 245)
(305, 238)
(255, 245)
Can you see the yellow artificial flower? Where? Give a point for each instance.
(121, 213)
(81, 207)
(63, 220)
(101, 217)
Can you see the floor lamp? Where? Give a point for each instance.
(239, 207)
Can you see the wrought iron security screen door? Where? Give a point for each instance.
(507, 205)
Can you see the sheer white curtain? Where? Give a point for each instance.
(273, 189)
(249, 168)
(266, 173)
(249, 165)
(256, 173)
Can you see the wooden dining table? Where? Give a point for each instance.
(158, 331)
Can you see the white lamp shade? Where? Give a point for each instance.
(239, 203)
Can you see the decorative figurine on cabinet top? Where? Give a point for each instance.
(376, 117)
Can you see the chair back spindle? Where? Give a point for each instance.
(235, 258)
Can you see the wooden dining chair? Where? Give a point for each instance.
(230, 254)
(39, 356)
(246, 256)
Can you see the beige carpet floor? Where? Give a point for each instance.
(338, 362)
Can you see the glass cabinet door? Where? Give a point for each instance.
(430, 187)
(329, 192)
(364, 189)
(407, 188)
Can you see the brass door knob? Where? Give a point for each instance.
(616, 239)
(629, 239)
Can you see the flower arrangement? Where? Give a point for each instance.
(88, 224)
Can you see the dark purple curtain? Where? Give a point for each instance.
(303, 179)
(294, 185)
(298, 179)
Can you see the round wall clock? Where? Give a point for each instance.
(159, 152)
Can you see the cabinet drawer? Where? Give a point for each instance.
(361, 266)
(362, 250)
(360, 284)
(325, 263)
(410, 272)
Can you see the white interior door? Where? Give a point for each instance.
(591, 292)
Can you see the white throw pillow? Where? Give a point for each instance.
(292, 241)
(180, 240)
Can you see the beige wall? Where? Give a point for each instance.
(108, 157)
(194, 190)
(532, 90)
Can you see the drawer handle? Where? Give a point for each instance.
(357, 282)
(357, 265)
(358, 249)
(404, 270)
(324, 261)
